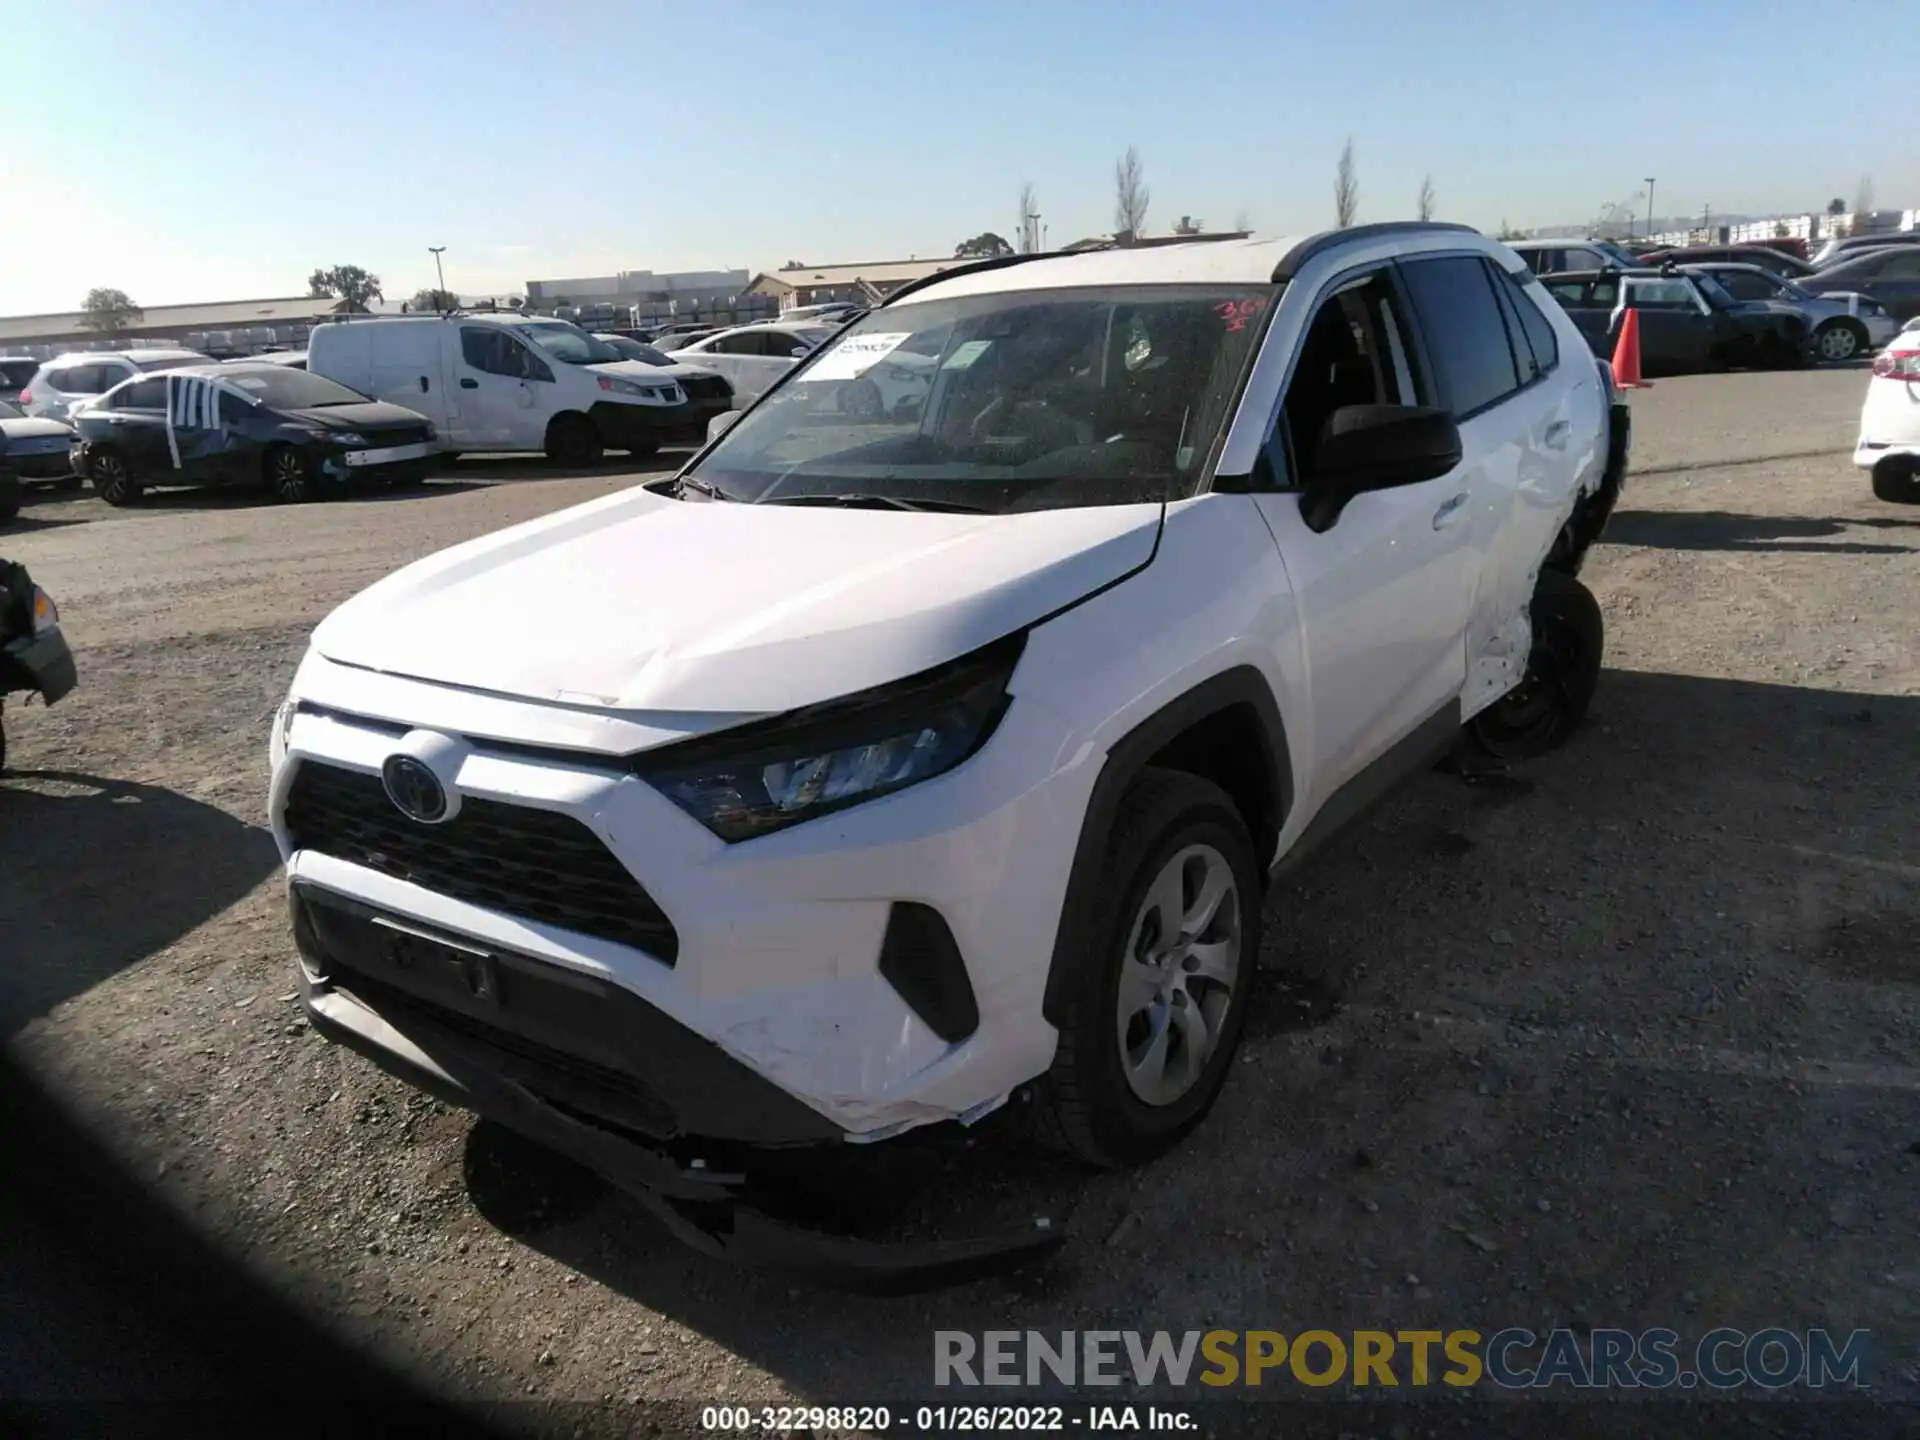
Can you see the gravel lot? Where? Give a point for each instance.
(1628, 1041)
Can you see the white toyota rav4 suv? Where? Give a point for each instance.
(881, 768)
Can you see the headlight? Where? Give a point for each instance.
(46, 614)
(282, 733)
(775, 773)
(655, 393)
(341, 437)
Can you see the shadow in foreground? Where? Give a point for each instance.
(97, 874)
(1723, 530)
(1698, 794)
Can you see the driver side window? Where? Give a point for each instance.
(1355, 352)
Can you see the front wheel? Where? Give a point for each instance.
(1897, 480)
(574, 440)
(1563, 671)
(1839, 340)
(289, 475)
(112, 481)
(1159, 998)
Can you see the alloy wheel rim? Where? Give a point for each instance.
(287, 475)
(1178, 975)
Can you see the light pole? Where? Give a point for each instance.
(1649, 207)
(437, 251)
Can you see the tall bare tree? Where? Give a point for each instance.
(1346, 188)
(1426, 198)
(1130, 196)
(1029, 241)
(1863, 196)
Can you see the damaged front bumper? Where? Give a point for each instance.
(593, 1072)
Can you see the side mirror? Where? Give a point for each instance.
(1376, 447)
(721, 423)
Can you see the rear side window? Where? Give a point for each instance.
(1905, 266)
(1465, 333)
(78, 380)
(746, 342)
(1536, 331)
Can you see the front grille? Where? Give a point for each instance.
(707, 387)
(397, 435)
(535, 864)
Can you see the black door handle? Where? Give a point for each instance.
(423, 384)
(469, 384)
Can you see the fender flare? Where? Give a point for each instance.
(1126, 758)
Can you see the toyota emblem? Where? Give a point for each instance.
(415, 790)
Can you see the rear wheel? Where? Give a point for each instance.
(1839, 340)
(1896, 480)
(574, 440)
(1159, 998)
(289, 475)
(112, 481)
(1563, 671)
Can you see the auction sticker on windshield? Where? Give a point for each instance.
(855, 354)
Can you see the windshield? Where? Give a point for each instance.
(171, 362)
(283, 389)
(1618, 253)
(11, 412)
(1019, 401)
(631, 349)
(569, 343)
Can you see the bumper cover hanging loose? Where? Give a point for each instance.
(577, 1110)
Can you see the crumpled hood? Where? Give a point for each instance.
(640, 602)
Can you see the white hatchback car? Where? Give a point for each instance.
(1889, 443)
(876, 771)
(71, 382)
(753, 358)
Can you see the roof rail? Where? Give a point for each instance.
(972, 267)
(1291, 263)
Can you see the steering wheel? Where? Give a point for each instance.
(1034, 421)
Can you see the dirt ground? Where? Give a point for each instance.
(1630, 1041)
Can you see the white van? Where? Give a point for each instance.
(503, 382)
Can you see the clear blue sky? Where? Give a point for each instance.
(186, 150)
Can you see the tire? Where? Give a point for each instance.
(1104, 1101)
(10, 499)
(1838, 341)
(289, 475)
(1896, 480)
(644, 449)
(1563, 671)
(573, 439)
(112, 481)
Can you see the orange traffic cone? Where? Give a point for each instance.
(1626, 354)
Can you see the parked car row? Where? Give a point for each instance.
(1687, 320)
(1881, 270)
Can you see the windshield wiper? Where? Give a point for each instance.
(864, 501)
(687, 482)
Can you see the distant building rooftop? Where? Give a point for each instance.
(171, 319)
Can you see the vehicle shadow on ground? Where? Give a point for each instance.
(1474, 946)
(98, 874)
(251, 498)
(1723, 530)
(26, 521)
